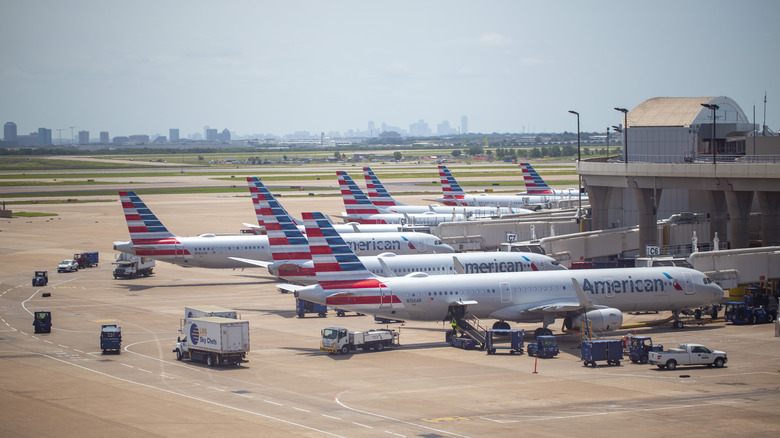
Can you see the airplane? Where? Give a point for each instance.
(380, 197)
(150, 238)
(292, 259)
(535, 185)
(586, 297)
(361, 209)
(455, 195)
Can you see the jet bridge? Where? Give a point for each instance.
(593, 244)
(752, 264)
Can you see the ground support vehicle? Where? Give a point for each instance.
(110, 338)
(86, 259)
(639, 347)
(68, 265)
(206, 311)
(738, 312)
(687, 354)
(302, 307)
(41, 278)
(610, 350)
(42, 321)
(515, 338)
(131, 266)
(341, 340)
(465, 343)
(214, 340)
(544, 346)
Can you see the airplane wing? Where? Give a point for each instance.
(287, 287)
(261, 263)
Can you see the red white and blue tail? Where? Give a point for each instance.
(376, 191)
(534, 184)
(453, 193)
(334, 262)
(285, 239)
(143, 225)
(355, 201)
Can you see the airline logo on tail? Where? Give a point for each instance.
(534, 184)
(451, 189)
(146, 229)
(285, 239)
(376, 191)
(355, 201)
(338, 269)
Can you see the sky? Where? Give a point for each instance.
(276, 67)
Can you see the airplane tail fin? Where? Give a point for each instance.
(334, 262)
(376, 190)
(143, 225)
(451, 189)
(286, 241)
(355, 201)
(534, 184)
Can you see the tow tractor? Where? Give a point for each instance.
(753, 310)
(42, 321)
(41, 278)
(110, 338)
(545, 346)
(639, 348)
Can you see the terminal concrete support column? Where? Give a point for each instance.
(599, 198)
(719, 217)
(646, 204)
(739, 212)
(769, 202)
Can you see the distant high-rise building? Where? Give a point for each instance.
(371, 128)
(419, 129)
(224, 136)
(464, 125)
(83, 137)
(444, 128)
(104, 137)
(9, 131)
(44, 136)
(173, 134)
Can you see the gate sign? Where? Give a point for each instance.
(652, 251)
(511, 237)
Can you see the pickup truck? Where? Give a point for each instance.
(687, 354)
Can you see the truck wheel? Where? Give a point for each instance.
(344, 350)
(301, 315)
(643, 359)
(671, 365)
(585, 363)
(178, 354)
(380, 346)
(752, 319)
(211, 360)
(718, 362)
(770, 317)
(321, 315)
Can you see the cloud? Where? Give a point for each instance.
(494, 40)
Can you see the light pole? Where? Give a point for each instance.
(625, 132)
(713, 143)
(579, 184)
(607, 143)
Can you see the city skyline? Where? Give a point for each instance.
(279, 68)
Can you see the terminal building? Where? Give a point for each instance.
(698, 155)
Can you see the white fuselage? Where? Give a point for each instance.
(524, 296)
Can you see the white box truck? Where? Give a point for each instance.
(341, 340)
(214, 340)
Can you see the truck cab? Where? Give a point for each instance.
(41, 278)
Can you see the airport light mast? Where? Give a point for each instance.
(579, 183)
(713, 143)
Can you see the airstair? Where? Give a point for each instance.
(470, 326)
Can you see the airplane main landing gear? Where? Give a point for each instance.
(541, 331)
(501, 325)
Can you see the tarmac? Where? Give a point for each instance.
(61, 384)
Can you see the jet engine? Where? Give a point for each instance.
(600, 320)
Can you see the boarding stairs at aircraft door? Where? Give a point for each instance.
(470, 326)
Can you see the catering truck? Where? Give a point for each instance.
(131, 266)
(341, 340)
(687, 354)
(214, 340)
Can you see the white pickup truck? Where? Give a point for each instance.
(687, 354)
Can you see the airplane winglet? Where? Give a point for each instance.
(459, 269)
(583, 299)
(385, 269)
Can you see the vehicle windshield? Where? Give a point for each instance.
(66, 262)
(329, 334)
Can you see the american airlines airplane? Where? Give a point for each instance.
(150, 238)
(455, 195)
(380, 197)
(535, 185)
(594, 295)
(361, 209)
(292, 260)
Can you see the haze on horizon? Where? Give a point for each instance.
(280, 67)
